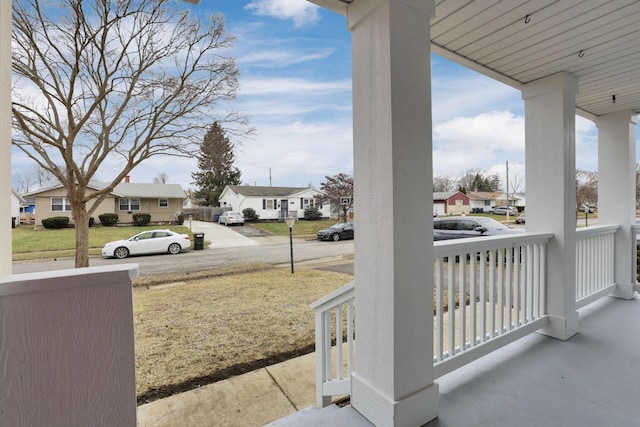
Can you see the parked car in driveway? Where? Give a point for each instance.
(521, 219)
(339, 231)
(459, 227)
(503, 210)
(147, 242)
(230, 218)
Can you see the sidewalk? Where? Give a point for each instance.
(252, 399)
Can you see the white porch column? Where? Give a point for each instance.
(393, 383)
(551, 191)
(5, 136)
(617, 190)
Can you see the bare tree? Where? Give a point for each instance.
(105, 85)
(162, 178)
(338, 190)
(516, 185)
(586, 187)
(476, 180)
(443, 184)
(29, 180)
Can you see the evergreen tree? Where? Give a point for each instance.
(215, 163)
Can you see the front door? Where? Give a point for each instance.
(284, 208)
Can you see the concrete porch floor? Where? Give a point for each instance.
(590, 380)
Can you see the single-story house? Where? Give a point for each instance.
(451, 203)
(273, 202)
(162, 201)
(16, 202)
(486, 200)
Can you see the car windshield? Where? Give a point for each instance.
(338, 225)
(490, 224)
(234, 214)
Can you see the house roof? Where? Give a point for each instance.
(477, 195)
(445, 195)
(170, 191)
(519, 42)
(18, 196)
(256, 191)
(487, 195)
(141, 190)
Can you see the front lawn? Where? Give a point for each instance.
(301, 228)
(30, 243)
(202, 331)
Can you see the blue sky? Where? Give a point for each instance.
(295, 87)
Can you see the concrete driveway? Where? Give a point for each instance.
(220, 236)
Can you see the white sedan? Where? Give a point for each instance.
(230, 218)
(148, 242)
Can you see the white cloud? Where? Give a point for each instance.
(301, 12)
(292, 85)
(296, 153)
(271, 58)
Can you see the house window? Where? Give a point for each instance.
(60, 204)
(163, 203)
(269, 204)
(458, 202)
(129, 204)
(308, 203)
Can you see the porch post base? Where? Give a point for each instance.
(414, 410)
(624, 291)
(561, 328)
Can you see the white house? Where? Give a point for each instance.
(487, 200)
(16, 202)
(273, 202)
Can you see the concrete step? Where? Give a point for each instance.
(330, 416)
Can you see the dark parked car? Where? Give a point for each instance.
(459, 227)
(339, 231)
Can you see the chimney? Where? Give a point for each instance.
(126, 179)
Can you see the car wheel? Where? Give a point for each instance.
(174, 248)
(335, 237)
(121, 252)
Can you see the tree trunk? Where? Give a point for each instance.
(81, 220)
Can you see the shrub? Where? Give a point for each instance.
(250, 214)
(312, 213)
(140, 220)
(108, 219)
(56, 222)
(180, 219)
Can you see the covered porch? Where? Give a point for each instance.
(537, 380)
(567, 59)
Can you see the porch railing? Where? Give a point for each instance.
(335, 323)
(488, 292)
(499, 284)
(595, 256)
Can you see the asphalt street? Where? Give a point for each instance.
(228, 246)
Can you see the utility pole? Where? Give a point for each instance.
(508, 204)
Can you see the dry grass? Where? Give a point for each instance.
(200, 331)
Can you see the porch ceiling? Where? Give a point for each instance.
(519, 41)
